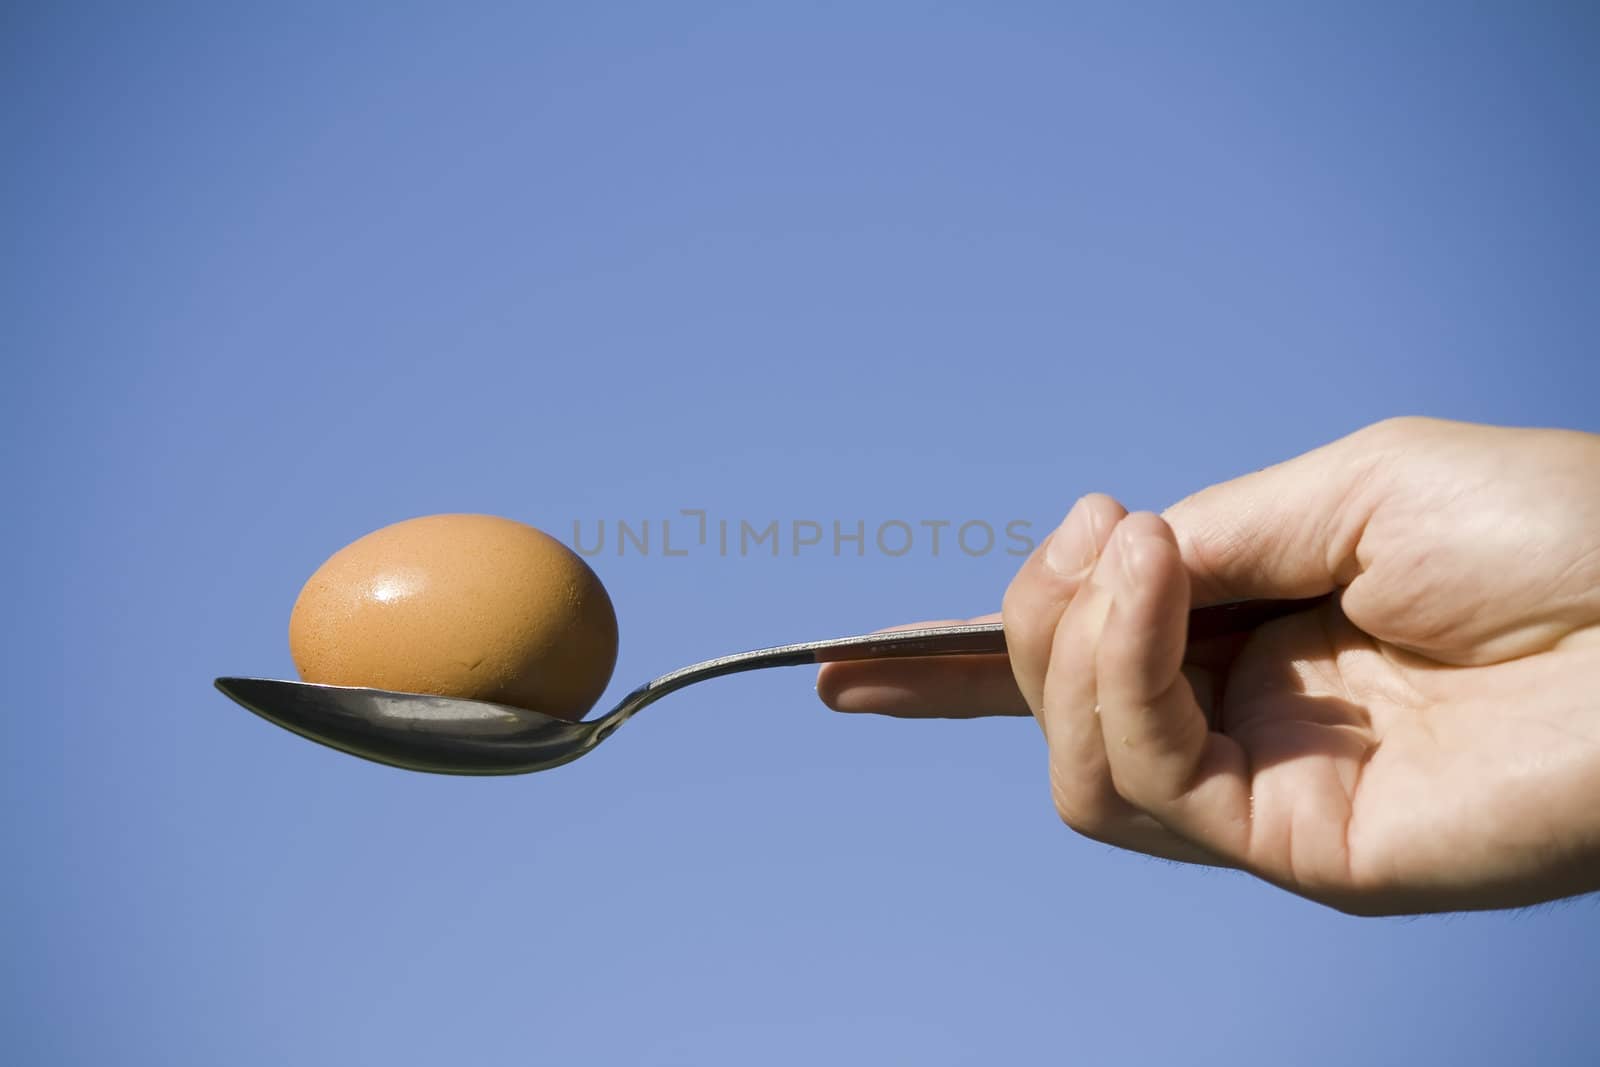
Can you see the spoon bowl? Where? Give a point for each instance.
(447, 735)
(414, 730)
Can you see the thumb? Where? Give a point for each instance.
(1290, 530)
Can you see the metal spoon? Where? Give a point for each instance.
(446, 735)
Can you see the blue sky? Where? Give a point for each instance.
(281, 274)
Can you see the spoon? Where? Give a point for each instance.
(446, 735)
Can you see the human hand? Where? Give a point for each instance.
(1427, 741)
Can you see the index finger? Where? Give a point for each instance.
(929, 687)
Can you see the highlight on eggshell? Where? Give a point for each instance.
(471, 606)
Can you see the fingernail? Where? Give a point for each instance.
(1135, 556)
(1128, 558)
(1071, 550)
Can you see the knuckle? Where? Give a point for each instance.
(1403, 427)
(1009, 602)
(1082, 809)
(1019, 607)
(1081, 820)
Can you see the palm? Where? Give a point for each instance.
(1373, 766)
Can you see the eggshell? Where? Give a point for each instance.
(471, 606)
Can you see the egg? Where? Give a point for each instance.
(470, 606)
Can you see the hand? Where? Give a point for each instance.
(1427, 741)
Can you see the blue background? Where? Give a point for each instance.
(277, 276)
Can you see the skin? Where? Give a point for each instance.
(1427, 741)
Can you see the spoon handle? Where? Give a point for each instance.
(1213, 620)
(982, 638)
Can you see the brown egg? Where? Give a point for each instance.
(459, 605)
